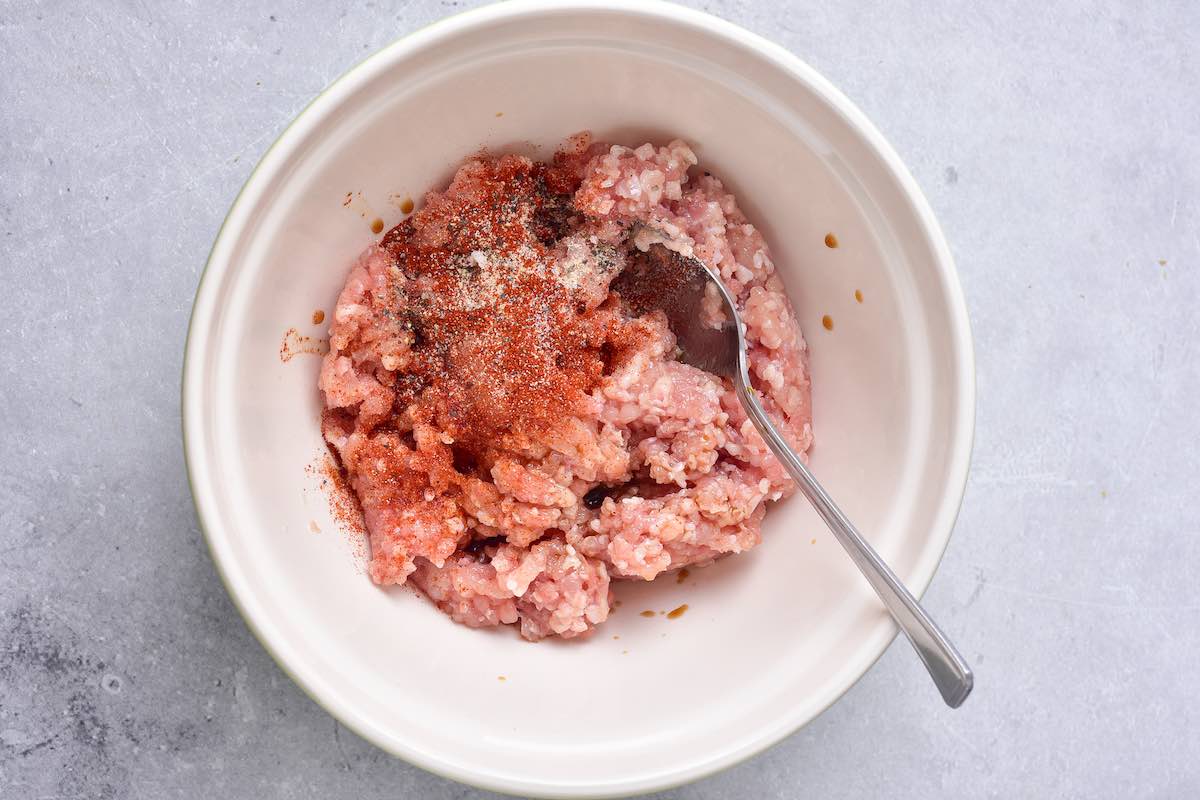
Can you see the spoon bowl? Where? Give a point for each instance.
(711, 336)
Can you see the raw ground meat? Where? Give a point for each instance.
(516, 439)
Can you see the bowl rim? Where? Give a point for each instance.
(218, 264)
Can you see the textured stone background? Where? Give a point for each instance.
(1059, 145)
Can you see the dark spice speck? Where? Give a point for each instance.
(595, 497)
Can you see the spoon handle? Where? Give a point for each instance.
(946, 666)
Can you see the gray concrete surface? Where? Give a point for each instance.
(1058, 143)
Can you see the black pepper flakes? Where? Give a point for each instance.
(478, 548)
(595, 497)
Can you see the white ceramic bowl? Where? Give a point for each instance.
(773, 636)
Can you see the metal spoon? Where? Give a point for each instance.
(659, 278)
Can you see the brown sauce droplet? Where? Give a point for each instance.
(858, 295)
(499, 113)
(501, 678)
(313, 526)
(831, 241)
(682, 576)
(827, 321)
(377, 225)
(814, 541)
(647, 613)
(318, 317)
(406, 206)
(676, 613)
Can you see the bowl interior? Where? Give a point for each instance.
(771, 637)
